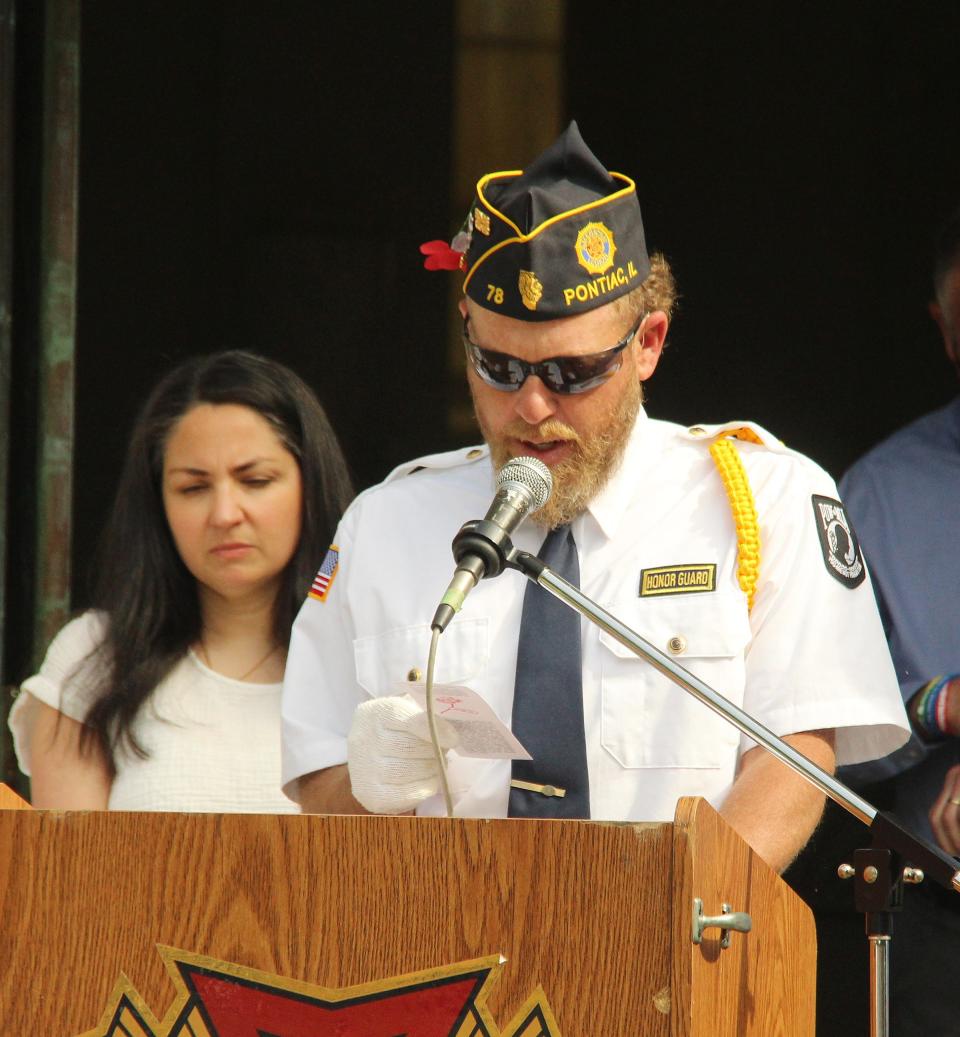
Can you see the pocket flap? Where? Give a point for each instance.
(707, 626)
(400, 655)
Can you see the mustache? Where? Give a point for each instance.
(545, 432)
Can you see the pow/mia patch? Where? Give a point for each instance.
(841, 550)
(677, 579)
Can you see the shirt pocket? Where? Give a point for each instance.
(647, 720)
(399, 656)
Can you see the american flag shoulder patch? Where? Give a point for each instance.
(325, 574)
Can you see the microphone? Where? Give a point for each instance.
(481, 547)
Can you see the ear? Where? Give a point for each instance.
(648, 344)
(949, 343)
(462, 307)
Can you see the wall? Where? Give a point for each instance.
(792, 161)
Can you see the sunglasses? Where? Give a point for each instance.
(560, 374)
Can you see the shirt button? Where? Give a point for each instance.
(472, 455)
(677, 645)
(414, 674)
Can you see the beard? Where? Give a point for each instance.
(593, 460)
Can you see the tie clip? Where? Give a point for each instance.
(544, 790)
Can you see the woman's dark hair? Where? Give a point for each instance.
(148, 595)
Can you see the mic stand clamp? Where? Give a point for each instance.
(878, 893)
(481, 549)
(488, 541)
(880, 877)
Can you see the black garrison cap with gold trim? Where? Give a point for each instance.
(558, 238)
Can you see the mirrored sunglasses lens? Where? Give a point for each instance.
(564, 375)
(497, 369)
(579, 374)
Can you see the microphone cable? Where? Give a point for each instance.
(523, 485)
(432, 722)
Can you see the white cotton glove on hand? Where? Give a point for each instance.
(390, 757)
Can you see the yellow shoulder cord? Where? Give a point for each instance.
(740, 496)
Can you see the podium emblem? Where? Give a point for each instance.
(220, 999)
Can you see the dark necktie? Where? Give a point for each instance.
(548, 696)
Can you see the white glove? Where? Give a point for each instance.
(390, 756)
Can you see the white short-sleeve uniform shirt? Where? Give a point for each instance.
(809, 655)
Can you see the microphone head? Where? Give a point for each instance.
(530, 474)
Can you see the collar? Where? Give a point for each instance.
(611, 503)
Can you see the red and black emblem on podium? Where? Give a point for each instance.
(219, 999)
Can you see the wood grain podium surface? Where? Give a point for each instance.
(597, 914)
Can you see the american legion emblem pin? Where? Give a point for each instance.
(595, 248)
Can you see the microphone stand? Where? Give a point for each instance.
(897, 857)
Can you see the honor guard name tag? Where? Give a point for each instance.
(841, 550)
(678, 579)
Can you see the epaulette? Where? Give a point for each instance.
(436, 462)
(745, 431)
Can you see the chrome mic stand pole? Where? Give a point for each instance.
(897, 856)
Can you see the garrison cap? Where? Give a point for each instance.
(562, 237)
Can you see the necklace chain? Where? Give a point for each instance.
(256, 666)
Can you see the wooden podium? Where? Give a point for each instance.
(573, 927)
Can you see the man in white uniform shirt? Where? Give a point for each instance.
(565, 316)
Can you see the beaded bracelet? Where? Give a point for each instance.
(943, 698)
(928, 708)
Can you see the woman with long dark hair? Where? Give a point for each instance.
(165, 695)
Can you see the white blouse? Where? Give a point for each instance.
(213, 743)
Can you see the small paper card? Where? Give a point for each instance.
(482, 734)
